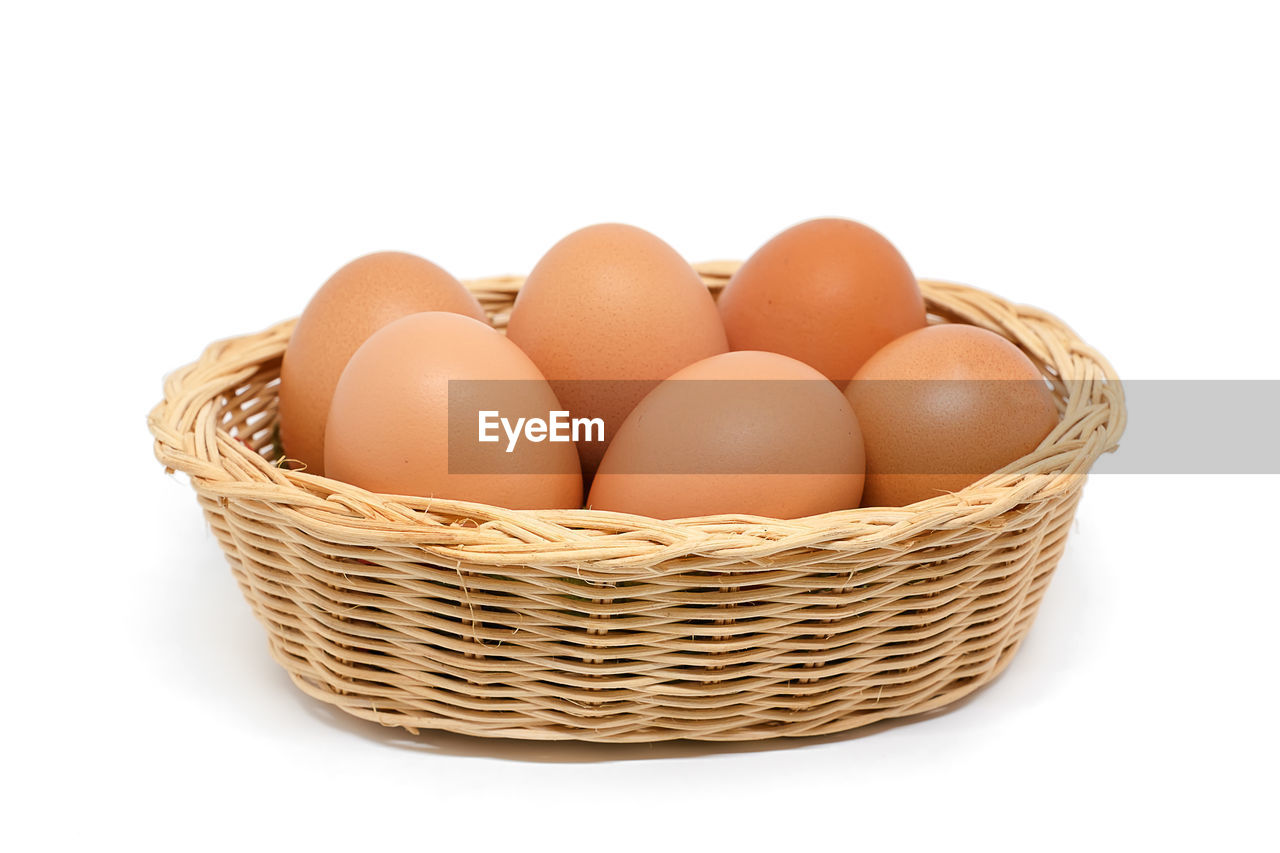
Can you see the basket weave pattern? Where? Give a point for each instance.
(588, 625)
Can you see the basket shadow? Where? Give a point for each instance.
(584, 752)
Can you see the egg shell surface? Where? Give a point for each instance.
(356, 301)
(742, 433)
(606, 314)
(944, 406)
(403, 419)
(829, 292)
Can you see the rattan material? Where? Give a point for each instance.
(598, 626)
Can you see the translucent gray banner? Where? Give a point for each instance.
(1198, 426)
(784, 426)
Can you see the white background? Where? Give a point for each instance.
(173, 174)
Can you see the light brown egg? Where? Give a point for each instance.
(355, 302)
(944, 406)
(744, 433)
(405, 418)
(829, 292)
(607, 313)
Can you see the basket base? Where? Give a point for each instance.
(943, 702)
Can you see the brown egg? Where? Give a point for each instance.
(406, 418)
(944, 406)
(608, 313)
(829, 292)
(744, 433)
(355, 302)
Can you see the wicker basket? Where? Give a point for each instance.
(592, 625)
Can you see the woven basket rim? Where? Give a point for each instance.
(188, 439)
